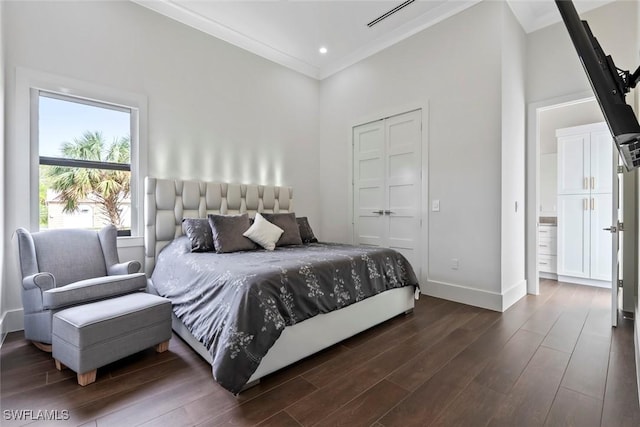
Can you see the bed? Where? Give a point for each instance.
(274, 327)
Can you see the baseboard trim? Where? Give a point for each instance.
(464, 295)
(584, 281)
(476, 297)
(11, 321)
(513, 294)
(545, 275)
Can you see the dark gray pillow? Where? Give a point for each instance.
(199, 233)
(286, 221)
(306, 233)
(227, 233)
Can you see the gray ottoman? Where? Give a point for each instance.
(89, 336)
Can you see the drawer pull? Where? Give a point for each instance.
(543, 263)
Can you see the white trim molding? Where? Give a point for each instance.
(463, 294)
(208, 25)
(476, 297)
(11, 321)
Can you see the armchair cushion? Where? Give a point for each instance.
(93, 289)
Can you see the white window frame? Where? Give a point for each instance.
(29, 82)
(36, 94)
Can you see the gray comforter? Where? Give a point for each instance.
(237, 304)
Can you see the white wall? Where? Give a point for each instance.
(553, 67)
(214, 111)
(513, 283)
(566, 116)
(455, 66)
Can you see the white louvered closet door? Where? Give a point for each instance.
(387, 183)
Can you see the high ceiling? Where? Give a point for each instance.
(291, 32)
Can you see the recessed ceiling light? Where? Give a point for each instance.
(322, 50)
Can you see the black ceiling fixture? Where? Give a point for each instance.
(390, 12)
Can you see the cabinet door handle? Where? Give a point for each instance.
(380, 212)
(593, 183)
(585, 203)
(585, 183)
(593, 204)
(543, 263)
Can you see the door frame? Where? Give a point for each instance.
(422, 272)
(533, 179)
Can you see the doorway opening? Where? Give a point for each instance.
(544, 203)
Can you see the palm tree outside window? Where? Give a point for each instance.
(85, 163)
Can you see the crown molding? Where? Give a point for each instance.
(216, 29)
(195, 20)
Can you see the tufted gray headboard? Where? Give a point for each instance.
(167, 201)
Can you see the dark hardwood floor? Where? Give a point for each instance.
(550, 360)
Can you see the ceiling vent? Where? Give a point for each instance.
(390, 12)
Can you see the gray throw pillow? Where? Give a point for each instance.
(286, 221)
(306, 233)
(227, 233)
(199, 233)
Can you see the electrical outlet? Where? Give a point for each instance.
(435, 205)
(455, 263)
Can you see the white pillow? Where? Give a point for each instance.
(264, 233)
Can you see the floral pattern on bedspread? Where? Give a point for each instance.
(237, 304)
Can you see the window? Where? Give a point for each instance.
(85, 162)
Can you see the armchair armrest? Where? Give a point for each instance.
(86, 291)
(44, 281)
(128, 267)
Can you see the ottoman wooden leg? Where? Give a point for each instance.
(87, 378)
(59, 365)
(42, 346)
(162, 347)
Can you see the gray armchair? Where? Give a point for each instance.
(67, 267)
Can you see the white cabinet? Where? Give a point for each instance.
(574, 231)
(584, 159)
(585, 171)
(547, 250)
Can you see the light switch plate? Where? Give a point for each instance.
(435, 205)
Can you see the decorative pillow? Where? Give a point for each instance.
(227, 233)
(199, 233)
(306, 233)
(286, 221)
(264, 233)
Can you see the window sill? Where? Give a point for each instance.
(130, 241)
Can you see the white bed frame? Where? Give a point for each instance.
(168, 201)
